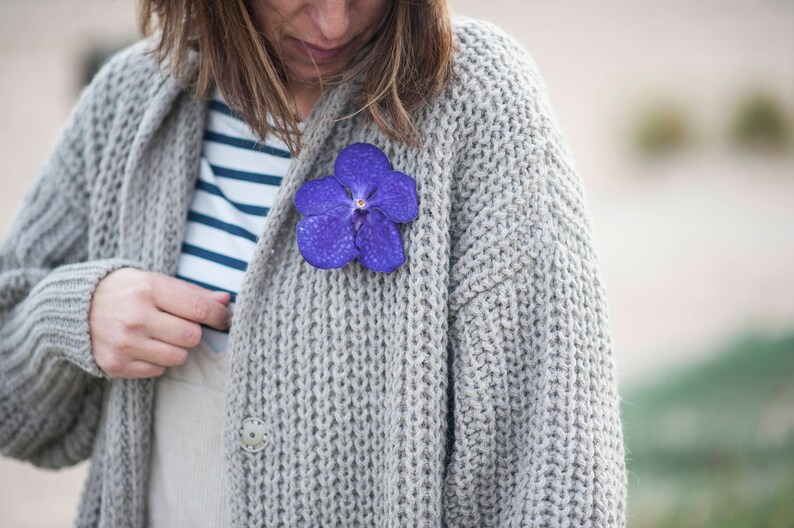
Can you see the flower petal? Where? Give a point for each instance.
(359, 167)
(379, 242)
(327, 240)
(320, 195)
(396, 197)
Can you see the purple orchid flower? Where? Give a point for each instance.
(354, 213)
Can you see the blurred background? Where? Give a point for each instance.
(680, 114)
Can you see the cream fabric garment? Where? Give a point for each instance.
(187, 484)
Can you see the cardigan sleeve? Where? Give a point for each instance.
(535, 435)
(50, 386)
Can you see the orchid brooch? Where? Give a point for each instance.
(354, 212)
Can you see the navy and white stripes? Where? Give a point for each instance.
(239, 179)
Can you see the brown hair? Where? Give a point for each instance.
(407, 62)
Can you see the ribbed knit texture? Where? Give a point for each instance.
(474, 386)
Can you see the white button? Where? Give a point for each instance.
(253, 435)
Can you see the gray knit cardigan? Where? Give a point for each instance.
(473, 386)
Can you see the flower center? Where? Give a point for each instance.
(360, 203)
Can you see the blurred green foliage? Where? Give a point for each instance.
(714, 446)
(760, 123)
(661, 128)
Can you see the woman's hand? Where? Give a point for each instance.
(142, 322)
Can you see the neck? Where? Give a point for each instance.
(304, 96)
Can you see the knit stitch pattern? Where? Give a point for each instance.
(473, 386)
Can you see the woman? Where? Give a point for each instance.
(471, 386)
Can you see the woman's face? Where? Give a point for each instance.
(332, 30)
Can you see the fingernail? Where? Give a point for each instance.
(221, 296)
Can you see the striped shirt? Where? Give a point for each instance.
(238, 181)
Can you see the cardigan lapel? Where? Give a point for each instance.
(159, 177)
(317, 130)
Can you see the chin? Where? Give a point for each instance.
(304, 74)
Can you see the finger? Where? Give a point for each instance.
(190, 301)
(161, 353)
(141, 369)
(173, 330)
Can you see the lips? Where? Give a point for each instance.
(319, 54)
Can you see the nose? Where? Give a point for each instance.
(332, 18)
